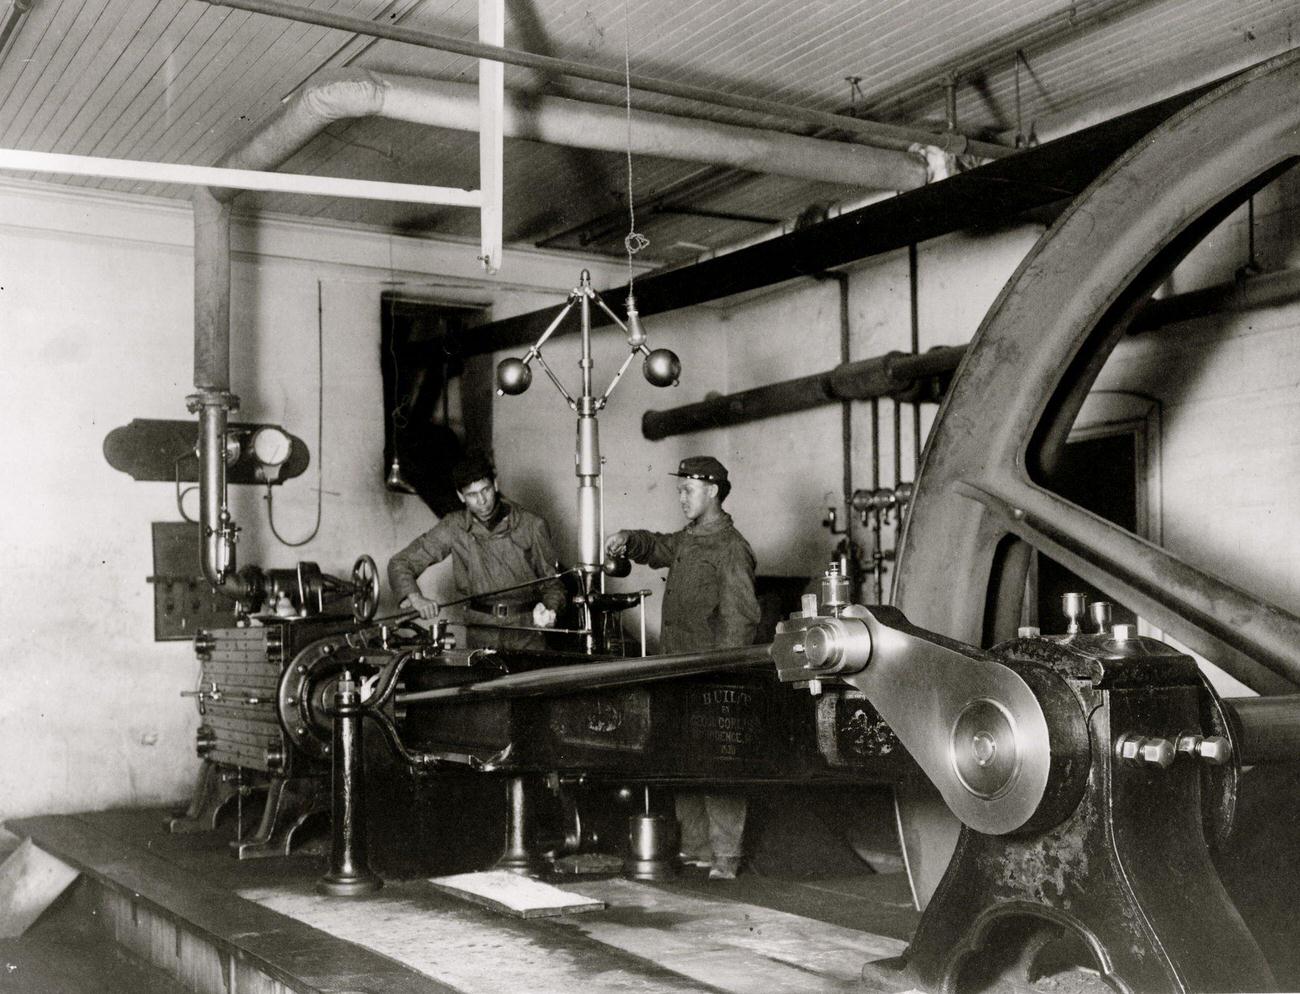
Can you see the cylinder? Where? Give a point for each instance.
(590, 555)
(1268, 728)
(650, 848)
(588, 456)
(218, 556)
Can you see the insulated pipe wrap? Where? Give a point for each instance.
(330, 96)
(211, 292)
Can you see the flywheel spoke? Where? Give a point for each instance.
(1247, 637)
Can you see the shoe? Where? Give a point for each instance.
(725, 868)
(688, 860)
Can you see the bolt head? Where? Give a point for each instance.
(1215, 749)
(1159, 752)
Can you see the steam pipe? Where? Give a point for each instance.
(596, 675)
(890, 136)
(913, 272)
(882, 376)
(346, 93)
(213, 400)
(211, 291)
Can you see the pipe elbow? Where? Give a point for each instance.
(329, 96)
(334, 94)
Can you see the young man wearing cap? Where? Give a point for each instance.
(709, 603)
(493, 544)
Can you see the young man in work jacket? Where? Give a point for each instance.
(709, 603)
(493, 544)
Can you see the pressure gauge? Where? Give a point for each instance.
(271, 446)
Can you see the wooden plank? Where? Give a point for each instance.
(512, 894)
(30, 880)
(301, 957)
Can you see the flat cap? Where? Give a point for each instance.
(704, 468)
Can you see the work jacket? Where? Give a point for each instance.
(515, 549)
(709, 602)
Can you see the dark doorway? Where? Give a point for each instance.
(424, 417)
(1100, 472)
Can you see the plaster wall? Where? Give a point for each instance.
(96, 311)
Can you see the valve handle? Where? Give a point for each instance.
(365, 589)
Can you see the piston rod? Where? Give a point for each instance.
(594, 676)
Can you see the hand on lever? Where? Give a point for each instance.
(543, 616)
(428, 608)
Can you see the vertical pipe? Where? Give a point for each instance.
(218, 552)
(211, 292)
(846, 407)
(950, 101)
(877, 561)
(898, 442)
(913, 274)
(213, 401)
(853, 573)
(641, 612)
(587, 467)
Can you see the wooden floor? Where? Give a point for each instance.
(184, 905)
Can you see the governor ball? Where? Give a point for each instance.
(662, 368)
(513, 376)
(617, 566)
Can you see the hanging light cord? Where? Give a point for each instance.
(635, 241)
(320, 431)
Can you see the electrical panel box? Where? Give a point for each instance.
(183, 599)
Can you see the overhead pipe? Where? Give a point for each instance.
(889, 375)
(890, 136)
(1247, 293)
(18, 9)
(336, 94)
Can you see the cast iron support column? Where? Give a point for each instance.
(519, 856)
(349, 874)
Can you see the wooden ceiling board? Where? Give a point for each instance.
(183, 81)
(55, 53)
(100, 53)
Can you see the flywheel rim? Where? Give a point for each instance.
(1030, 365)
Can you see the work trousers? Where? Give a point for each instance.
(711, 825)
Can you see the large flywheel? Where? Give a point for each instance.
(980, 508)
